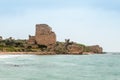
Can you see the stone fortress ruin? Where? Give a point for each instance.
(43, 36)
(45, 42)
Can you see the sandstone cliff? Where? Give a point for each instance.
(68, 47)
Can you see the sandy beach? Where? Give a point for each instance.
(35, 53)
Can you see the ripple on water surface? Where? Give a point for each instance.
(60, 67)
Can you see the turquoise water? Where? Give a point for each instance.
(60, 67)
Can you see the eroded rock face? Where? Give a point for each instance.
(75, 49)
(68, 47)
(95, 49)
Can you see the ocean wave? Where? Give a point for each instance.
(8, 56)
(12, 56)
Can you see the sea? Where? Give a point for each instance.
(60, 67)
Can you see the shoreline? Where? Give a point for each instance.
(46, 53)
(33, 53)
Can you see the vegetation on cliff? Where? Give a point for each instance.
(67, 47)
(45, 41)
(76, 48)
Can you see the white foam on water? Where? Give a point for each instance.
(8, 56)
(12, 56)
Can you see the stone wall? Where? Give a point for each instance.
(43, 35)
(1, 38)
(31, 40)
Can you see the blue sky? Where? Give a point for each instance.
(84, 21)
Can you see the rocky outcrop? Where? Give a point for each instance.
(68, 47)
(95, 49)
(72, 47)
(45, 39)
(44, 42)
(75, 49)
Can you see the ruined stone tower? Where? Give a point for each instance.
(43, 36)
